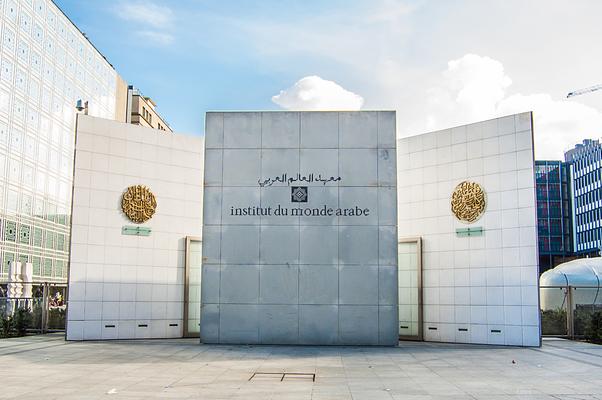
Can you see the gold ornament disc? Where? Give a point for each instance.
(468, 201)
(138, 203)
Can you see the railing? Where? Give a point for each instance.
(567, 311)
(39, 308)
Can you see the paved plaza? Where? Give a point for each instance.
(47, 367)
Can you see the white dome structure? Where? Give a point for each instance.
(584, 275)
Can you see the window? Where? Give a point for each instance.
(24, 234)
(543, 226)
(554, 191)
(555, 227)
(60, 242)
(541, 191)
(37, 237)
(58, 270)
(542, 210)
(544, 243)
(10, 231)
(556, 244)
(555, 211)
(47, 267)
(8, 257)
(36, 265)
(49, 239)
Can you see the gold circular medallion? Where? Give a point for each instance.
(468, 201)
(138, 203)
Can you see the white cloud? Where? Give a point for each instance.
(474, 88)
(558, 124)
(471, 89)
(391, 51)
(156, 37)
(480, 83)
(145, 12)
(315, 93)
(149, 21)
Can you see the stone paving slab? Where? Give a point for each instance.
(48, 367)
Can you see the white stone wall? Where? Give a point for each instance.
(119, 283)
(300, 279)
(481, 289)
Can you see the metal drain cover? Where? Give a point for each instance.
(282, 376)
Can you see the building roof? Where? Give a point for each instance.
(580, 272)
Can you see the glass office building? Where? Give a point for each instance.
(553, 213)
(46, 66)
(585, 162)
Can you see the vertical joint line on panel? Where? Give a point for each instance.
(378, 232)
(259, 263)
(260, 163)
(221, 238)
(338, 227)
(299, 248)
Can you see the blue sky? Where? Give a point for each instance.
(207, 65)
(187, 76)
(437, 63)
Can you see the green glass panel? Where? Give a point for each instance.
(36, 265)
(58, 268)
(24, 233)
(135, 230)
(8, 257)
(10, 231)
(49, 240)
(463, 232)
(37, 237)
(47, 267)
(60, 242)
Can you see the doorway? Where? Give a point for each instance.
(192, 287)
(409, 286)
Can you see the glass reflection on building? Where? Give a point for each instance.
(46, 65)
